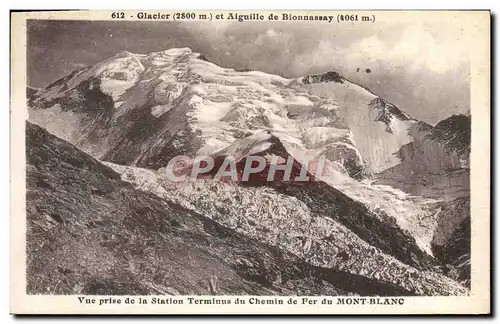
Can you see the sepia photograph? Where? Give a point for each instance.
(215, 155)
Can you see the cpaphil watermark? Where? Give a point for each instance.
(248, 169)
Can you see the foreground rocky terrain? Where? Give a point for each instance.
(392, 208)
(91, 233)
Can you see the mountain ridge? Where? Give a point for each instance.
(92, 253)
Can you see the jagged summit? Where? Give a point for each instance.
(330, 76)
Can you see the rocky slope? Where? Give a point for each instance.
(390, 182)
(89, 232)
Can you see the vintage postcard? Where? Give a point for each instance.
(266, 162)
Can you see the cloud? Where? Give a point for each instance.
(416, 49)
(413, 48)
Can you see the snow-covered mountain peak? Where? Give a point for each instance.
(330, 76)
(206, 108)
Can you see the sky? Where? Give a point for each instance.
(422, 68)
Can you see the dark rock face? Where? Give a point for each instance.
(203, 58)
(351, 161)
(387, 112)
(324, 200)
(63, 82)
(442, 149)
(45, 149)
(151, 142)
(331, 76)
(89, 232)
(31, 94)
(454, 132)
(436, 164)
